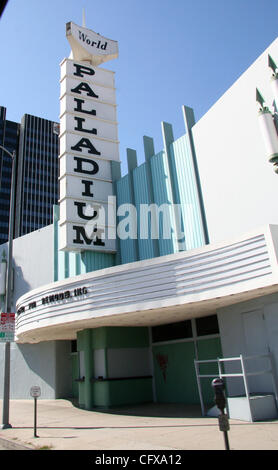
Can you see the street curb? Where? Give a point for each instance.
(10, 445)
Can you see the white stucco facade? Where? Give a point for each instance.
(238, 183)
(47, 363)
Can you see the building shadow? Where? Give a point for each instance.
(152, 410)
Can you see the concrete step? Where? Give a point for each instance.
(262, 407)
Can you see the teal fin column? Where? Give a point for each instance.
(115, 170)
(116, 175)
(143, 194)
(132, 164)
(149, 152)
(126, 220)
(189, 121)
(168, 139)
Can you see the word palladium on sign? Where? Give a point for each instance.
(88, 142)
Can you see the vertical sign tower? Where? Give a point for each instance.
(88, 143)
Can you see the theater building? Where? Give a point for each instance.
(125, 291)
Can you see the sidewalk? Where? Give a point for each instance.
(62, 426)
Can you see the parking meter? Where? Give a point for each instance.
(219, 394)
(220, 401)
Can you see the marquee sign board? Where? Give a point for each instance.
(88, 45)
(88, 143)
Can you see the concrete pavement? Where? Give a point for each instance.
(156, 427)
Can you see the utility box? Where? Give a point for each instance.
(260, 407)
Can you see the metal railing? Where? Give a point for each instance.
(244, 374)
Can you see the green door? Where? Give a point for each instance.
(174, 371)
(175, 378)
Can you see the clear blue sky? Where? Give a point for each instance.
(171, 53)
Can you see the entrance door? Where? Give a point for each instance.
(175, 380)
(256, 343)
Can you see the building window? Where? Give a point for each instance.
(172, 331)
(74, 346)
(207, 325)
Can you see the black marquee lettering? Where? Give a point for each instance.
(86, 144)
(80, 128)
(77, 291)
(80, 206)
(84, 87)
(81, 236)
(98, 241)
(82, 69)
(87, 184)
(32, 305)
(79, 166)
(80, 109)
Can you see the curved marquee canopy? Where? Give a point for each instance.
(167, 289)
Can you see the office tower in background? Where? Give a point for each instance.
(36, 143)
(37, 174)
(9, 132)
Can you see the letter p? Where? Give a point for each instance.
(82, 70)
